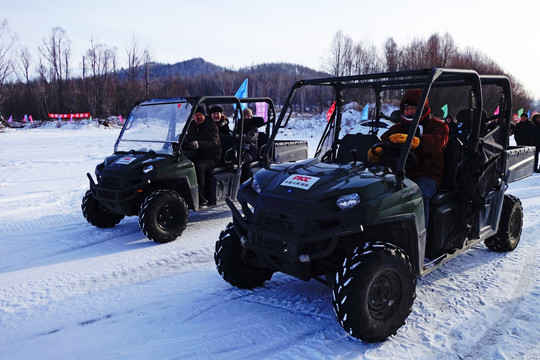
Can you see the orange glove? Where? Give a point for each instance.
(399, 138)
(375, 155)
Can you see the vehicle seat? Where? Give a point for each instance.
(453, 156)
(359, 142)
(464, 117)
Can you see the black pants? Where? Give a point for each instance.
(202, 164)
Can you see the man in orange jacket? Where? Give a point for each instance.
(428, 145)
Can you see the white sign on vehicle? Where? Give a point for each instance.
(300, 181)
(126, 160)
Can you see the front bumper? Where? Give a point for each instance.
(288, 243)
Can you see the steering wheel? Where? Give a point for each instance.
(391, 154)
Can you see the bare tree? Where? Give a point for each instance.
(136, 59)
(7, 58)
(339, 52)
(100, 60)
(391, 54)
(24, 65)
(147, 60)
(57, 50)
(365, 59)
(448, 49)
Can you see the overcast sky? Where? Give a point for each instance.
(239, 33)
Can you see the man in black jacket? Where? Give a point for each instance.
(203, 148)
(523, 131)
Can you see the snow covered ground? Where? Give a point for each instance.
(69, 290)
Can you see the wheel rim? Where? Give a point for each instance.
(514, 228)
(167, 217)
(384, 295)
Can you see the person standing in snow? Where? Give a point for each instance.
(535, 139)
(427, 145)
(523, 131)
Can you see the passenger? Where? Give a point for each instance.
(216, 112)
(452, 126)
(203, 148)
(427, 145)
(225, 133)
(250, 147)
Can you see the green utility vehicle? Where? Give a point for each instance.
(149, 175)
(360, 227)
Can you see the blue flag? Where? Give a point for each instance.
(365, 112)
(242, 92)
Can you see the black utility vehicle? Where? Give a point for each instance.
(360, 227)
(148, 175)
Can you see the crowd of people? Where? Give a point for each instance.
(210, 137)
(527, 132)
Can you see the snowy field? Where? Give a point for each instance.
(69, 290)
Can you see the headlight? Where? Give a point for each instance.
(348, 201)
(147, 169)
(255, 186)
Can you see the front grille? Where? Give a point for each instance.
(111, 182)
(106, 195)
(270, 243)
(279, 223)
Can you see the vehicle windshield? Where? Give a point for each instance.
(153, 126)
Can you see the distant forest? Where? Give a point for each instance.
(47, 85)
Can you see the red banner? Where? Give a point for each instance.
(69, 116)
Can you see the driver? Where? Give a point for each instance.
(428, 144)
(203, 148)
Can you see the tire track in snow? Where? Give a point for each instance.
(508, 311)
(44, 222)
(286, 293)
(63, 282)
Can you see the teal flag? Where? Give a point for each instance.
(445, 111)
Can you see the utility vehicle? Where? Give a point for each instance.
(360, 227)
(149, 175)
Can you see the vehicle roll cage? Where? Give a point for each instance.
(425, 79)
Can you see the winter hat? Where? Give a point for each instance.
(216, 109)
(411, 98)
(200, 109)
(247, 111)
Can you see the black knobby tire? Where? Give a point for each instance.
(96, 214)
(233, 262)
(163, 216)
(510, 226)
(374, 292)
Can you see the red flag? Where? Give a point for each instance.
(330, 111)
